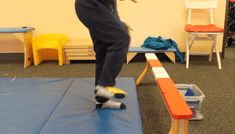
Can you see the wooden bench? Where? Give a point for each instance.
(133, 51)
(26, 40)
(179, 111)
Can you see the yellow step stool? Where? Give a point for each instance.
(49, 47)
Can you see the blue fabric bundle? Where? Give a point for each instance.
(190, 92)
(158, 43)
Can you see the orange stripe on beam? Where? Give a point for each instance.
(166, 85)
(176, 104)
(155, 63)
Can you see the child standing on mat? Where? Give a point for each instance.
(111, 41)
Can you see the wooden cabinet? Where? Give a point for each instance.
(79, 50)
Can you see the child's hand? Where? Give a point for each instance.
(128, 28)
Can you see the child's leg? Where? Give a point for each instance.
(107, 27)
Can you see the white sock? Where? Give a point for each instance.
(110, 105)
(101, 91)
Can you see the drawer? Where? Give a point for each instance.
(78, 50)
(78, 47)
(81, 58)
(81, 54)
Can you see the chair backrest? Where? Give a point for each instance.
(210, 5)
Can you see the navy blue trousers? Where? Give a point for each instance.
(110, 38)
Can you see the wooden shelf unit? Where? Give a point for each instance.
(79, 50)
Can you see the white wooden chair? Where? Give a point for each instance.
(202, 32)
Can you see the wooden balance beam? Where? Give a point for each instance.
(179, 111)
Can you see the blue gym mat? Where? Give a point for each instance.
(64, 106)
(26, 104)
(4, 82)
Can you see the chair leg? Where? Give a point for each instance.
(217, 53)
(191, 41)
(211, 54)
(213, 47)
(187, 52)
(218, 59)
(28, 51)
(36, 56)
(60, 56)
